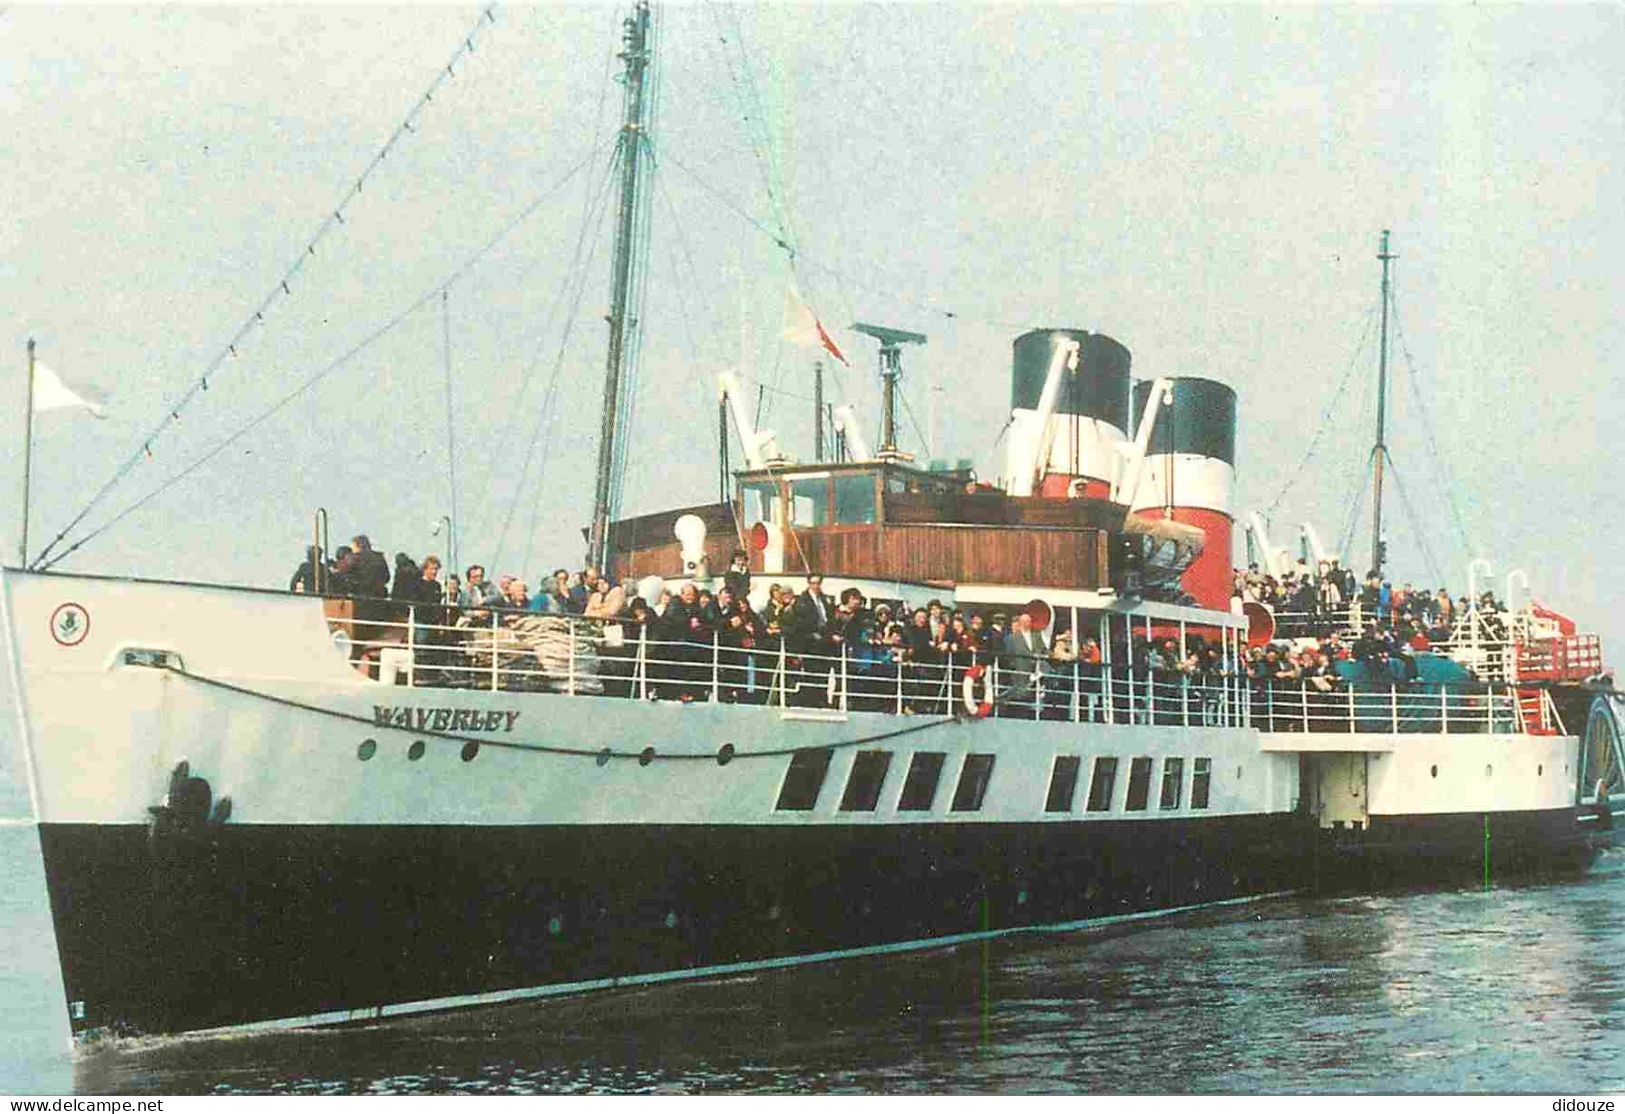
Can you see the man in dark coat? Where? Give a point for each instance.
(807, 633)
(371, 572)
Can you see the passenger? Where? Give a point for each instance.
(517, 595)
(808, 636)
(687, 647)
(735, 639)
(476, 590)
(304, 577)
(605, 602)
(737, 578)
(925, 657)
(342, 582)
(371, 575)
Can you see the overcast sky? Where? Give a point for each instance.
(1207, 185)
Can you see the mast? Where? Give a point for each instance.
(635, 55)
(818, 410)
(1380, 450)
(28, 454)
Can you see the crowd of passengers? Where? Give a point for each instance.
(1327, 604)
(1312, 601)
(890, 656)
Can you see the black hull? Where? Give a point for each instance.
(252, 923)
(1449, 848)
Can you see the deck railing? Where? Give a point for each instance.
(521, 651)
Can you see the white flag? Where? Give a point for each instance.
(50, 393)
(801, 325)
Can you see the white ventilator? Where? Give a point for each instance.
(846, 424)
(690, 531)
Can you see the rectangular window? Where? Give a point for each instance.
(1139, 784)
(1063, 783)
(855, 499)
(973, 779)
(1201, 778)
(1173, 781)
(863, 785)
(1100, 789)
(804, 779)
(920, 786)
(759, 500)
(809, 502)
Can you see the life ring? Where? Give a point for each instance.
(983, 708)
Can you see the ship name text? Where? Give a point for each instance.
(443, 719)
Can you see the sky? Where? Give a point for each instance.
(1205, 184)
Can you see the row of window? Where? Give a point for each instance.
(804, 780)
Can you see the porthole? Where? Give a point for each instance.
(604, 756)
(725, 754)
(671, 920)
(555, 925)
(471, 750)
(367, 749)
(415, 751)
(1433, 771)
(647, 756)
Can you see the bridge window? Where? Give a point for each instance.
(803, 780)
(863, 784)
(1173, 781)
(973, 779)
(920, 786)
(809, 502)
(1139, 784)
(855, 499)
(1063, 783)
(1101, 787)
(1201, 780)
(759, 500)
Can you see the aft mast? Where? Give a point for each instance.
(634, 130)
(1380, 450)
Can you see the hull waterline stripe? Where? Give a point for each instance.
(544, 748)
(554, 990)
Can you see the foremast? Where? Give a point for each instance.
(631, 149)
(1379, 450)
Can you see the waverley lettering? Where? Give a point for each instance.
(443, 719)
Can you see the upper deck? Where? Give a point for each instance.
(889, 521)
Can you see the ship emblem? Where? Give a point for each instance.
(69, 624)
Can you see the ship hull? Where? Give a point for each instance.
(239, 827)
(1461, 847)
(249, 923)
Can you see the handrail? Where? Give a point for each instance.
(498, 650)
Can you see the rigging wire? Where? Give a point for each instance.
(580, 267)
(1416, 521)
(1325, 418)
(318, 376)
(451, 426)
(1439, 465)
(599, 146)
(836, 273)
(281, 291)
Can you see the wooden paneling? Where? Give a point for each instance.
(995, 508)
(948, 554)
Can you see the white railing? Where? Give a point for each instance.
(499, 650)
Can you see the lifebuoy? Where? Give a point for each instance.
(982, 708)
